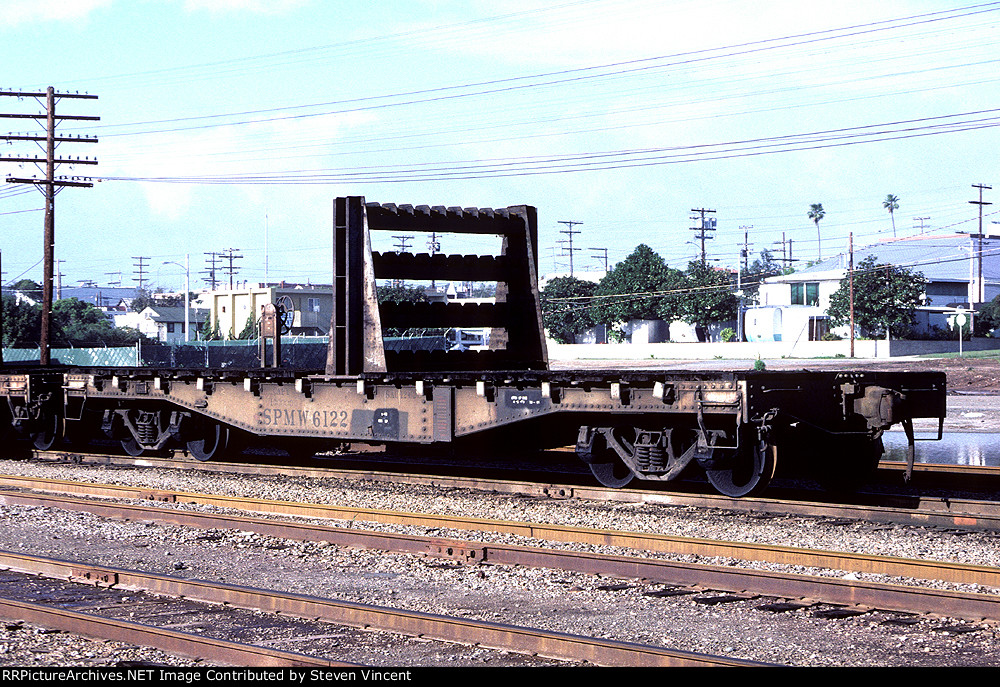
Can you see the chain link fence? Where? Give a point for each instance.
(295, 354)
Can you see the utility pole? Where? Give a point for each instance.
(230, 255)
(569, 231)
(979, 260)
(921, 220)
(741, 306)
(850, 281)
(59, 279)
(706, 224)
(50, 185)
(786, 250)
(213, 264)
(433, 247)
(140, 268)
(745, 251)
(603, 253)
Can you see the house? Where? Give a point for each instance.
(962, 272)
(232, 309)
(164, 323)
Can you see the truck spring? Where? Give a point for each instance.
(642, 456)
(146, 428)
(650, 453)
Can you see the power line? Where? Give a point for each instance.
(614, 159)
(574, 75)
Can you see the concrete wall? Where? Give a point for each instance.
(764, 350)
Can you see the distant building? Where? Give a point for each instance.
(793, 307)
(231, 309)
(104, 297)
(164, 323)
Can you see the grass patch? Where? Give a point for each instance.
(966, 354)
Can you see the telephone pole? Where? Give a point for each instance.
(603, 253)
(230, 255)
(50, 185)
(213, 264)
(982, 289)
(140, 268)
(745, 250)
(706, 224)
(569, 231)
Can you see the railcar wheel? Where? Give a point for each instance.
(613, 475)
(132, 447)
(747, 472)
(604, 462)
(211, 444)
(45, 438)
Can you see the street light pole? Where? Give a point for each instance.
(187, 292)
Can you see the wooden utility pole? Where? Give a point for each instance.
(602, 254)
(50, 185)
(569, 231)
(982, 289)
(706, 224)
(850, 281)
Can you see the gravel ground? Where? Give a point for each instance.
(555, 600)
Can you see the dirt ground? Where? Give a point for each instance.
(969, 375)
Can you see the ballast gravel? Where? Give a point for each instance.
(624, 610)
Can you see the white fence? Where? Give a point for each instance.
(865, 348)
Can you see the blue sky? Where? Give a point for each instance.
(225, 122)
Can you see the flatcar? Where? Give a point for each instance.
(733, 427)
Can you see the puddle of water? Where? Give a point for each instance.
(956, 448)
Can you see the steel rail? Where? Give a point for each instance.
(740, 580)
(641, 541)
(170, 641)
(918, 509)
(555, 645)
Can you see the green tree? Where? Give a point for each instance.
(759, 270)
(29, 288)
(641, 287)
(22, 323)
(210, 330)
(988, 318)
(816, 213)
(79, 323)
(400, 293)
(249, 329)
(564, 319)
(74, 322)
(885, 296)
(709, 297)
(891, 203)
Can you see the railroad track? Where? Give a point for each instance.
(225, 598)
(893, 507)
(725, 578)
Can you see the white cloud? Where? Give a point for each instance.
(254, 6)
(16, 12)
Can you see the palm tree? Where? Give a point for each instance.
(816, 213)
(891, 203)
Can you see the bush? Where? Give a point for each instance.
(728, 334)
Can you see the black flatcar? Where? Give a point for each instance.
(655, 425)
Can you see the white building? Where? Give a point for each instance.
(962, 272)
(164, 323)
(231, 309)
